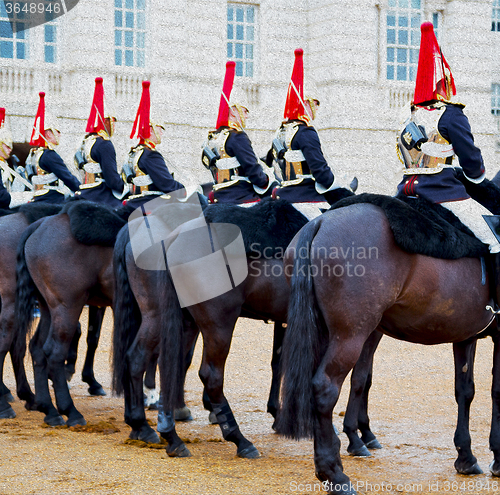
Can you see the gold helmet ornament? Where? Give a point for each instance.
(238, 105)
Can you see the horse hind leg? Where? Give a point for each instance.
(495, 413)
(274, 393)
(212, 375)
(70, 364)
(137, 357)
(40, 370)
(96, 316)
(356, 417)
(464, 353)
(56, 349)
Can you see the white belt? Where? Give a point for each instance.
(294, 156)
(92, 168)
(426, 171)
(234, 180)
(142, 180)
(227, 163)
(296, 181)
(438, 150)
(43, 179)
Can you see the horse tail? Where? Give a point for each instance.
(26, 293)
(127, 317)
(301, 350)
(171, 362)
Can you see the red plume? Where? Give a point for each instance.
(141, 128)
(38, 132)
(294, 102)
(95, 123)
(2, 116)
(434, 80)
(222, 119)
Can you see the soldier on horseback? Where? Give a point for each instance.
(97, 155)
(228, 153)
(436, 131)
(146, 167)
(12, 184)
(307, 178)
(5, 151)
(44, 167)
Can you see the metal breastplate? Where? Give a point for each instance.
(294, 161)
(93, 171)
(141, 181)
(421, 148)
(226, 167)
(40, 178)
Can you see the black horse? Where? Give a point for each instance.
(412, 297)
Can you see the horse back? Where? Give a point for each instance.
(362, 280)
(65, 268)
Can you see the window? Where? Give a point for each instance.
(130, 32)
(13, 42)
(403, 39)
(495, 99)
(50, 38)
(495, 16)
(241, 37)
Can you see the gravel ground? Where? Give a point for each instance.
(412, 408)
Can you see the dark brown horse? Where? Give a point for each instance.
(263, 295)
(350, 278)
(65, 272)
(12, 227)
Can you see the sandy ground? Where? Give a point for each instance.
(412, 408)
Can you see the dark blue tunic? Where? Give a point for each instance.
(103, 152)
(238, 144)
(4, 196)
(152, 163)
(306, 139)
(444, 186)
(51, 162)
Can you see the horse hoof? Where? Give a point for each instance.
(495, 471)
(30, 406)
(134, 435)
(149, 437)
(153, 407)
(471, 470)
(183, 414)
(97, 391)
(248, 453)
(76, 421)
(7, 413)
(373, 444)
(180, 451)
(9, 397)
(212, 418)
(54, 420)
(360, 452)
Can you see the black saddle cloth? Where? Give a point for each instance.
(94, 223)
(422, 227)
(270, 225)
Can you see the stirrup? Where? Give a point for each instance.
(493, 310)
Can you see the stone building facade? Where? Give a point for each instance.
(360, 59)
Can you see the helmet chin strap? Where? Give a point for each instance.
(158, 137)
